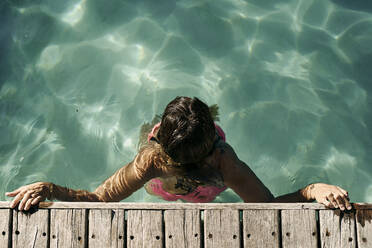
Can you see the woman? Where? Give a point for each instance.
(185, 157)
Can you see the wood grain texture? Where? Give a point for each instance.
(5, 221)
(337, 229)
(221, 228)
(67, 228)
(30, 230)
(261, 228)
(348, 235)
(182, 228)
(299, 228)
(201, 206)
(106, 228)
(364, 228)
(145, 229)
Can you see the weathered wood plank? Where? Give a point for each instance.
(299, 228)
(261, 228)
(5, 221)
(144, 229)
(30, 230)
(67, 228)
(221, 228)
(201, 206)
(182, 228)
(337, 229)
(348, 235)
(364, 228)
(106, 228)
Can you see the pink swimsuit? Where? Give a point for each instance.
(201, 194)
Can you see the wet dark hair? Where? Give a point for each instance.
(187, 130)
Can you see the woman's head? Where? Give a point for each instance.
(187, 130)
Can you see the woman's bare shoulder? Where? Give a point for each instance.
(223, 156)
(150, 159)
(225, 152)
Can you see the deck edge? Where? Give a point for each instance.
(165, 206)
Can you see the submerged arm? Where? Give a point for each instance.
(239, 177)
(120, 185)
(117, 187)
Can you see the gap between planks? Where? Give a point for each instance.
(337, 229)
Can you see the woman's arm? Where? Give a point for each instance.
(32, 194)
(120, 185)
(329, 195)
(239, 177)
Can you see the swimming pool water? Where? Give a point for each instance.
(292, 78)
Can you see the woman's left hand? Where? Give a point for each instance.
(330, 195)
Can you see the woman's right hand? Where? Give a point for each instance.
(29, 195)
(330, 195)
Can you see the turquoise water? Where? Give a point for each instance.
(292, 78)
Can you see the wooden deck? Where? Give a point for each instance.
(149, 225)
